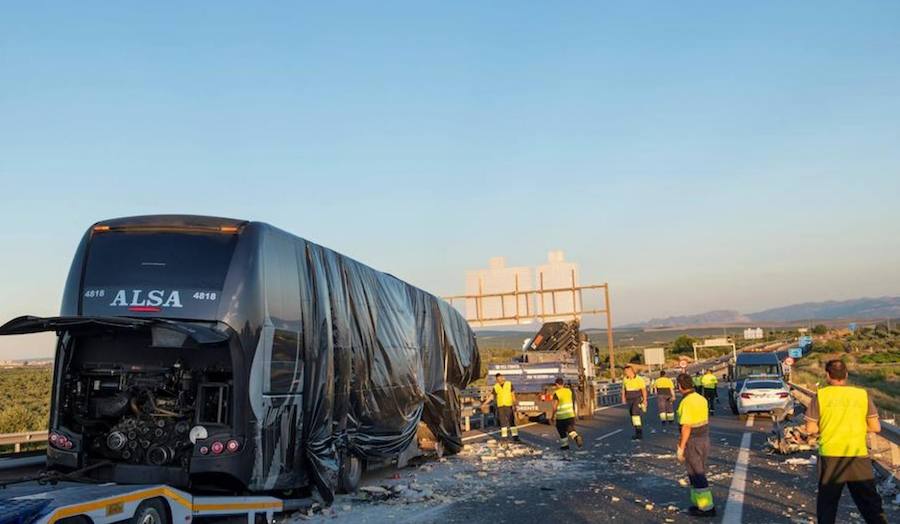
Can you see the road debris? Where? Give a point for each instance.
(811, 461)
(793, 439)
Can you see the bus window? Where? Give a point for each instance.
(283, 300)
(176, 274)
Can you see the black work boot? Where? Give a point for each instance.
(694, 511)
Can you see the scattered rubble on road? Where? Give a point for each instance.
(794, 440)
(476, 473)
(811, 461)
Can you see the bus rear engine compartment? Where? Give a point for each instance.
(145, 413)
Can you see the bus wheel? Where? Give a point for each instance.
(153, 511)
(350, 470)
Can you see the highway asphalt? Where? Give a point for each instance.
(615, 479)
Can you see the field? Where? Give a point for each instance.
(24, 399)
(873, 357)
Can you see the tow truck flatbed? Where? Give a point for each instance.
(35, 503)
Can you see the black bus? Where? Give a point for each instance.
(199, 351)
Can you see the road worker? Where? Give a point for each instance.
(505, 396)
(693, 445)
(842, 415)
(665, 398)
(710, 383)
(564, 415)
(698, 382)
(634, 393)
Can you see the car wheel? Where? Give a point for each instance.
(153, 511)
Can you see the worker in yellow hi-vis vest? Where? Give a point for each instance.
(665, 398)
(843, 415)
(564, 414)
(505, 396)
(710, 383)
(693, 445)
(634, 393)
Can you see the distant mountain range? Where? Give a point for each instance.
(856, 309)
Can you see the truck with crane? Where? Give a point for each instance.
(558, 349)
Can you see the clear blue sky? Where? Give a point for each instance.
(696, 155)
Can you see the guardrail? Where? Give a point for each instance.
(18, 439)
(885, 445)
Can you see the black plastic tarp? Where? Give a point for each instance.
(379, 356)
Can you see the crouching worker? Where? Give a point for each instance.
(564, 414)
(505, 396)
(693, 446)
(634, 393)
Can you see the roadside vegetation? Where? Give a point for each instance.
(872, 356)
(24, 401)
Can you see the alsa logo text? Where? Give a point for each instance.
(153, 300)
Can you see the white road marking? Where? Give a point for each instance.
(611, 433)
(734, 506)
(750, 419)
(482, 435)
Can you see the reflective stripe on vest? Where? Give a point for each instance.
(842, 421)
(503, 394)
(566, 408)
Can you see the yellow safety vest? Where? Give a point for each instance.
(709, 380)
(566, 407)
(664, 383)
(503, 394)
(693, 411)
(842, 421)
(697, 380)
(633, 384)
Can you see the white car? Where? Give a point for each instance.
(764, 395)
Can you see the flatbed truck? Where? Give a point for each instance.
(81, 503)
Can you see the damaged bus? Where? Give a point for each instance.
(201, 351)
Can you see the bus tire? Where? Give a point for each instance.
(152, 511)
(350, 470)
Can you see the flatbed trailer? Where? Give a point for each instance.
(75, 502)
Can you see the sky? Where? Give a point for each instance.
(695, 155)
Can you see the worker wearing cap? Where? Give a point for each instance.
(564, 415)
(665, 398)
(693, 445)
(634, 393)
(710, 383)
(843, 415)
(505, 396)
